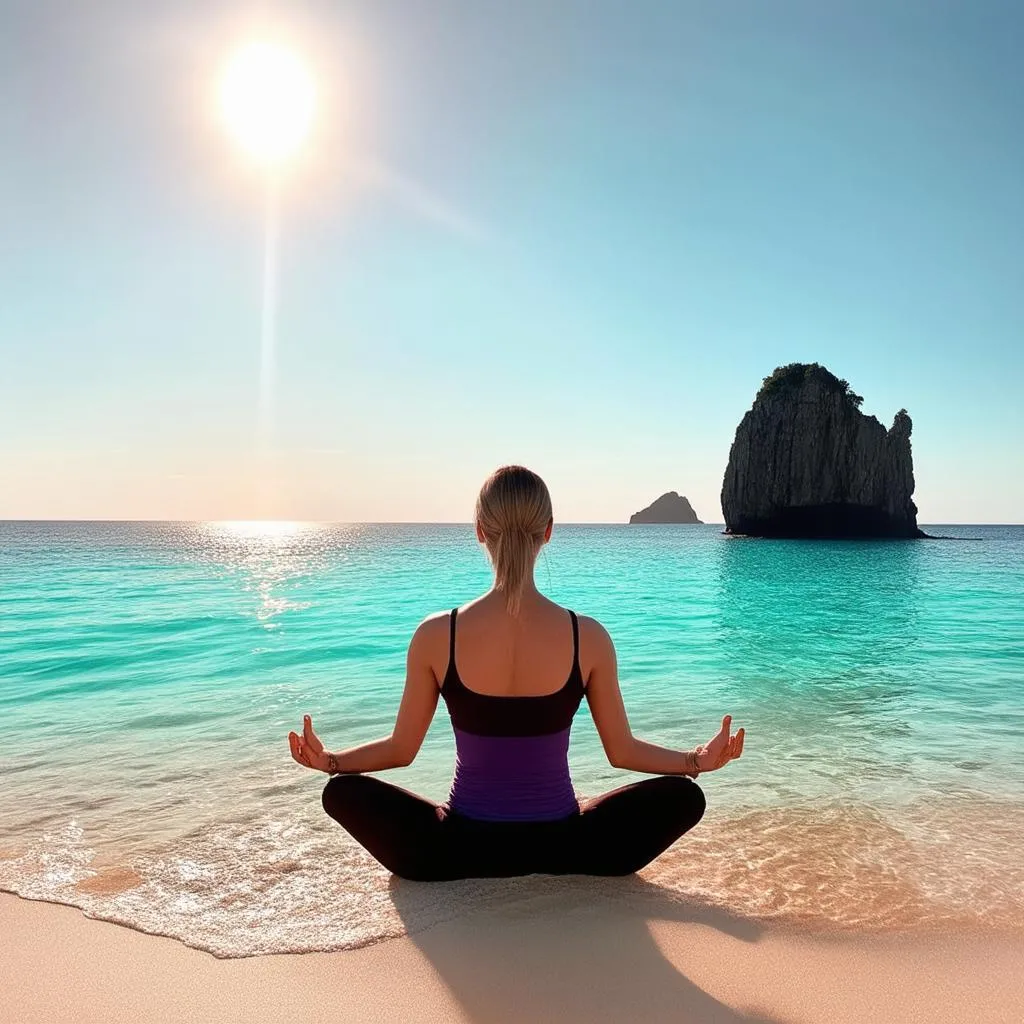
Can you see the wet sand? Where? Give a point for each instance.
(546, 960)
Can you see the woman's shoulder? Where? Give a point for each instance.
(589, 626)
(437, 621)
(443, 616)
(590, 622)
(595, 645)
(591, 629)
(592, 633)
(432, 632)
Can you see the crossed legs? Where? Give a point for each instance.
(615, 834)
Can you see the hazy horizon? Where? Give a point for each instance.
(572, 236)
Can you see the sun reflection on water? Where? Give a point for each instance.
(262, 528)
(273, 555)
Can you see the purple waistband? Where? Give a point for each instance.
(512, 778)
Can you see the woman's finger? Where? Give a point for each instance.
(721, 738)
(315, 745)
(735, 746)
(310, 737)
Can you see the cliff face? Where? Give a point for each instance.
(806, 462)
(669, 508)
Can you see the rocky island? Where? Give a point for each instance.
(806, 462)
(669, 508)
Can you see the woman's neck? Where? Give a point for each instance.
(529, 596)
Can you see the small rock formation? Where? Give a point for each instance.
(669, 508)
(806, 462)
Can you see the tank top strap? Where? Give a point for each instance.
(575, 645)
(451, 642)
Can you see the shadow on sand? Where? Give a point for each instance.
(572, 948)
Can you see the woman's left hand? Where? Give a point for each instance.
(307, 748)
(722, 748)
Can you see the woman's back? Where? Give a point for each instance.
(501, 655)
(512, 724)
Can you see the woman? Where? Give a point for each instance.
(512, 675)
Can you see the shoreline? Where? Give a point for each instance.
(589, 898)
(548, 960)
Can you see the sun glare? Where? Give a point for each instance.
(267, 100)
(267, 529)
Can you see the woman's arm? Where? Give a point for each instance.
(419, 701)
(622, 748)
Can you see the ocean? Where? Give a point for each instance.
(149, 674)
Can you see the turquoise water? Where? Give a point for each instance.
(149, 673)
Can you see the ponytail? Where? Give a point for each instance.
(513, 511)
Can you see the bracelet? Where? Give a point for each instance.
(332, 764)
(696, 763)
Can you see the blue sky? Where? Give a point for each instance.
(575, 235)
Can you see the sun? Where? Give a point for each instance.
(267, 101)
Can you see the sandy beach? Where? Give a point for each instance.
(554, 960)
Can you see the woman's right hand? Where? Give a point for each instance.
(720, 750)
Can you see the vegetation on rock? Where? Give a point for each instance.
(794, 375)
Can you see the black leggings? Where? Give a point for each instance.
(616, 834)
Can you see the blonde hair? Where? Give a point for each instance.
(513, 510)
